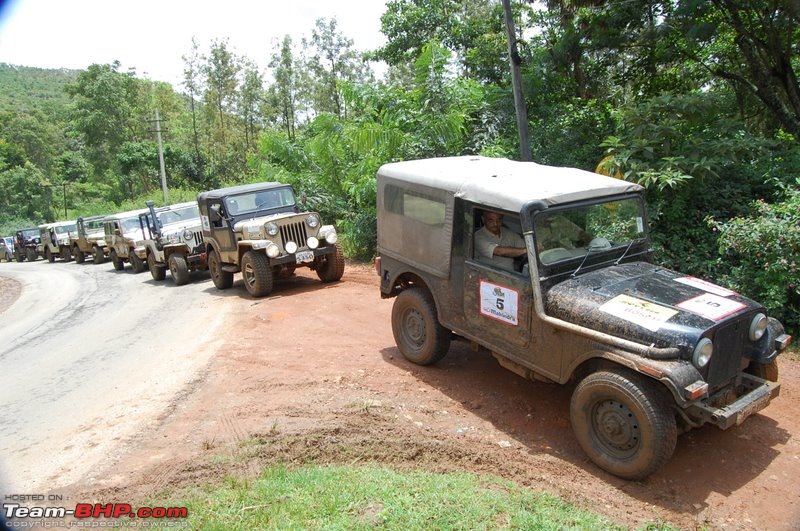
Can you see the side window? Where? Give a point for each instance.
(498, 240)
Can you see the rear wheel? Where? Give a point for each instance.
(119, 265)
(416, 328)
(31, 255)
(179, 269)
(157, 271)
(256, 273)
(222, 279)
(98, 257)
(49, 255)
(79, 255)
(19, 256)
(332, 267)
(622, 423)
(66, 255)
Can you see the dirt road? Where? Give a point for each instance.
(311, 373)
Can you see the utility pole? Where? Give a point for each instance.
(516, 82)
(161, 159)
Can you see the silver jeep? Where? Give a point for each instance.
(173, 238)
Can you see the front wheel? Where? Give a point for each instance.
(137, 264)
(79, 255)
(416, 328)
(66, 255)
(119, 265)
(623, 424)
(222, 279)
(256, 273)
(48, 255)
(97, 255)
(331, 266)
(765, 371)
(179, 269)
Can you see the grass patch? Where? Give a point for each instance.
(352, 498)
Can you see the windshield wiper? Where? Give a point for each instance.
(628, 248)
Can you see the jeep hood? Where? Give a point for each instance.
(179, 226)
(646, 303)
(261, 220)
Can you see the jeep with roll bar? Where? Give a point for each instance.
(55, 238)
(125, 239)
(89, 239)
(26, 244)
(652, 351)
(173, 238)
(258, 229)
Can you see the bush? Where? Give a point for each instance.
(763, 254)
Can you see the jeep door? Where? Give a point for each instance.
(497, 302)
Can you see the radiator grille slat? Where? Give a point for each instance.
(294, 232)
(729, 344)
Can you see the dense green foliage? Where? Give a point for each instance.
(698, 100)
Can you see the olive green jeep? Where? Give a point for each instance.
(258, 229)
(550, 270)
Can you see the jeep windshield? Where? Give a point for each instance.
(64, 229)
(570, 233)
(259, 200)
(186, 213)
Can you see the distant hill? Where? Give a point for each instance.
(25, 88)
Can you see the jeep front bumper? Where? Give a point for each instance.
(754, 394)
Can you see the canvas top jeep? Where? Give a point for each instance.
(258, 229)
(125, 240)
(55, 240)
(26, 244)
(89, 239)
(173, 238)
(650, 349)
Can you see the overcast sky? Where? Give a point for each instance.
(153, 35)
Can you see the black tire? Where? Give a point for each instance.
(158, 272)
(256, 274)
(331, 266)
(623, 424)
(222, 279)
(137, 264)
(49, 255)
(416, 328)
(765, 371)
(179, 269)
(80, 256)
(66, 255)
(31, 255)
(19, 256)
(119, 265)
(98, 257)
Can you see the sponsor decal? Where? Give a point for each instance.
(711, 306)
(206, 223)
(705, 286)
(641, 312)
(499, 302)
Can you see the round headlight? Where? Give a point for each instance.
(312, 220)
(312, 242)
(272, 228)
(273, 250)
(702, 352)
(291, 247)
(188, 235)
(331, 236)
(758, 326)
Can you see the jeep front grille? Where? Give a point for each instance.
(729, 342)
(294, 232)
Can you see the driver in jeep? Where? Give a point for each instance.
(497, 243)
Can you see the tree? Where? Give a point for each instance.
(192, 83)
(250, 96)
(284, 90)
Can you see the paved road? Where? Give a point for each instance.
(90, 358)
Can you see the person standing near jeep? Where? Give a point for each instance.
(497, 244)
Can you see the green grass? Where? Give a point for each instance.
(353, 498)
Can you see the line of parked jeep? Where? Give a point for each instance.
(257, 229)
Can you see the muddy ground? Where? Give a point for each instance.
(311, 373)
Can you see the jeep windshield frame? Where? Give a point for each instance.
(587, 235)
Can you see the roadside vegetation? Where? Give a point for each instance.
(370, 497)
